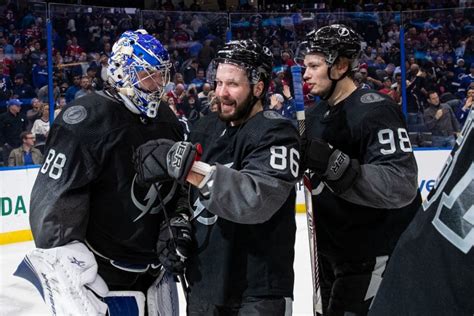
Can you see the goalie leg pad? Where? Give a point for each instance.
(162, 296)
(67, 279)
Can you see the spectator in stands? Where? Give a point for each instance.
(177, 94)
(22, 90)
(86, 87)
(12, 123)
(191, 71)
(415, 95)
(278, 104)
(5, 84)
(387, 87)
(206, 54)
(466, 81)
(467, 106)
(200, 79)
(41, 126)
(441, 122)
(60, 104)
(33, 114)
(26, 154)
(40, 74)
(364, 79)
(74, 88)
(203, 96)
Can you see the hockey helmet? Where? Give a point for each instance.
(333, 41)
(255, 59)
(138, 56)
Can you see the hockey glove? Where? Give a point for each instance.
(174, 243)
(331, 165)
(180, 159)
(150, 161)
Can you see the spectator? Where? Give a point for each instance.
(5, 84)
(26, 154)
(463, 112)
(86, 87)
(200, 79)
(12, 123)
(22, 90)
(466, 81)
(40, 74)
(33, 114)
(203, 96)
(60, 104)
(73, 89)
(191, 71)
(278, 104)
(177, 94)
(441, 122)
(206, 54)
(41, 126)
(387, 87)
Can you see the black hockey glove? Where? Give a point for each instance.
(150, 161)
(174, 244)
(180, 159)
(331, 165)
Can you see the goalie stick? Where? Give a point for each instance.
(306, 184)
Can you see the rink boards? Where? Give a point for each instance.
(16, 184)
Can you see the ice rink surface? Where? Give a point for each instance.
(18, 297)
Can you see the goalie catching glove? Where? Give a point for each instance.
(331, 165)
(162, 159)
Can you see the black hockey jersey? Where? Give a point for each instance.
(245, 229)
(86, 189)
(431, 270)
(366, 220)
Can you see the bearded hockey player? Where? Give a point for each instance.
(431, 270)
(243, 195)
(364, 174)
(92, 221)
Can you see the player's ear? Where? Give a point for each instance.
(258, 89)
(340, 67)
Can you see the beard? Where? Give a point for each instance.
(241, 111)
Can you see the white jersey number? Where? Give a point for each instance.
(386, 137)
(279, 159)
(54, 163)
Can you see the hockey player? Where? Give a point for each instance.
(91, 219)
(363, 172)
(243, 197)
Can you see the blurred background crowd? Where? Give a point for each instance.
(438, 45)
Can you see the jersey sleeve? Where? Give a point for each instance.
(60, 197)
(269, 172)
(388, 175)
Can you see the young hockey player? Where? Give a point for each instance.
(364, 174)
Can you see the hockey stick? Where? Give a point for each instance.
(181, 277)
(300, 116)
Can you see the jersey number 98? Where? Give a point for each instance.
(387, 137)
(54, 163)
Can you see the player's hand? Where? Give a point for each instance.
(180, 159)
(150, 161)
(331, 165)
(175, 243)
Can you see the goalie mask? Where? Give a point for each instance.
(256, 60)
(139, 69)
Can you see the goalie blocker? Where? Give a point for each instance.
(67, 280)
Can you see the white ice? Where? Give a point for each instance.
(18, 297)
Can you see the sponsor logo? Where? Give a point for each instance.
(12, 206)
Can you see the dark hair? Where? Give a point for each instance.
(25, 134)
(431, 92)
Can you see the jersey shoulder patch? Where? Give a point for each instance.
(371, 97)
(272, 115)
(75, 114)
